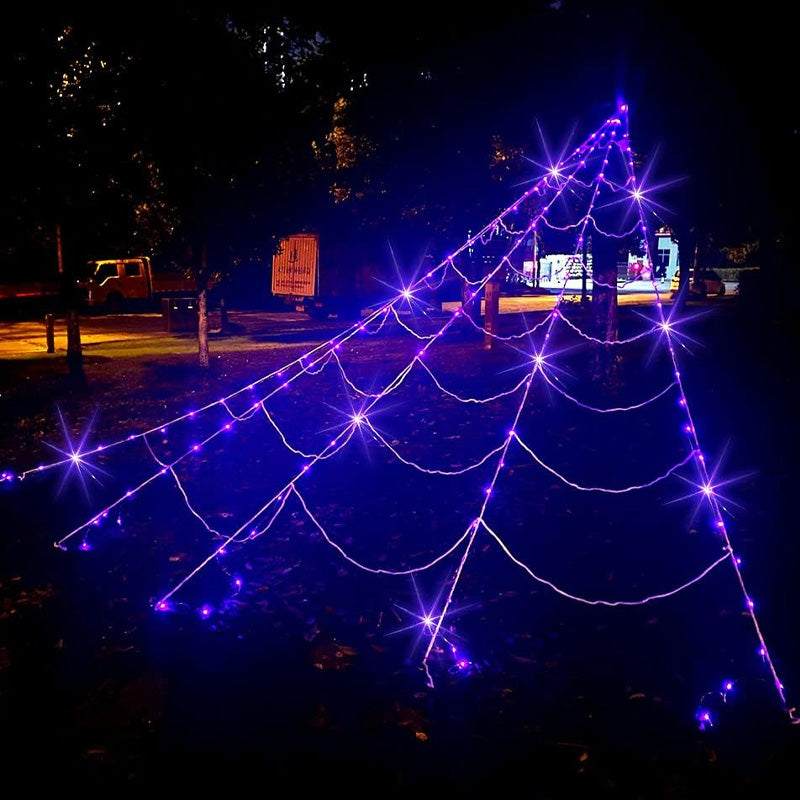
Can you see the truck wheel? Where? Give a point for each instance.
(318, 313)
(115, 303)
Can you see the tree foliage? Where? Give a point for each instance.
(202, 136)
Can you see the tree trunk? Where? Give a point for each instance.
(223, 315)
(202, 327)
(605, 366)
(202, 309)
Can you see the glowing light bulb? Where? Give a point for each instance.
(704, 717)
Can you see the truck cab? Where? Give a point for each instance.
(114, 281)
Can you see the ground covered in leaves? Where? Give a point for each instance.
(292, 661)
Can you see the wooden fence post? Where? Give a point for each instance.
(491, 322)
(50, 333)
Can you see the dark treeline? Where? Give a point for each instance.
(179, 130)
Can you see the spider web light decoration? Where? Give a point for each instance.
(364, 438)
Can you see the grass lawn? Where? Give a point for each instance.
(298, 551)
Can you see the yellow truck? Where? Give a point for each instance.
(119, 284)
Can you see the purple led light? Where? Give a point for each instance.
(566, 174)
(704, 718)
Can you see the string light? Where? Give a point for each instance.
(589, 187)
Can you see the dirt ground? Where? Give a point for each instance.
(292, 661)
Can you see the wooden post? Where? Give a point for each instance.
(491, 322)
(50, 333)
(74, 349)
